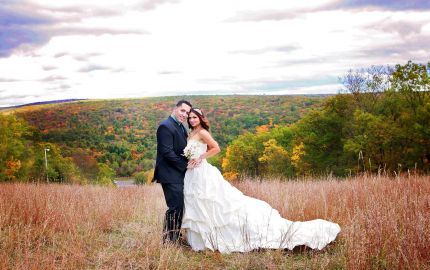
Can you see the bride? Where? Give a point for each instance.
(220, 217)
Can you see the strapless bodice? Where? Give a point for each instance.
(195, 148)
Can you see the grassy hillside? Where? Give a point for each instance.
(121, 133)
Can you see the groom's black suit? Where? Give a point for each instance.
(170, 170)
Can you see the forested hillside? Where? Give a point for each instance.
(380, 123)
(120, 134)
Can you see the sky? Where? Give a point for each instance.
(63, 49)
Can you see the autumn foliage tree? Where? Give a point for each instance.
(381, 123)
(14, 152)
(22, 157)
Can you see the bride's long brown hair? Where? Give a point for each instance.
(203, 120)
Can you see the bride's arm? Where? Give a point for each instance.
(213, 147)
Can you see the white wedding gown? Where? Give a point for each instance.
(220, 217)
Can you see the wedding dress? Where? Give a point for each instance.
(220, 217)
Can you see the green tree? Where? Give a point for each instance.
(411, 85)
(60, 169)
(15, 148)
(412, 81)
(105, 175)
(377, 140)
(322, 133)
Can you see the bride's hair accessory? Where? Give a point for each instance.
(198, 111)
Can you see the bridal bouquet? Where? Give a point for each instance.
(190, 151)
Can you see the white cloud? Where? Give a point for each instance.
(133, 48)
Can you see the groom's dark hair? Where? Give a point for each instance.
(182, 101)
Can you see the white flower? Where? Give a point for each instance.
(190, 151)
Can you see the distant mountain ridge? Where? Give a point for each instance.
(81, 99)
(43, 103)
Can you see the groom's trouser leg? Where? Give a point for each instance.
(174, 195)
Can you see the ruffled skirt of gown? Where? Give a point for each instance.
(220, 217)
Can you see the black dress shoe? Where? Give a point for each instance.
(179, 242)
(182, 243)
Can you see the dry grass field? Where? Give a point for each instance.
(385, 225)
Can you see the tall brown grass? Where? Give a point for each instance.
(61, 226)
(385, 221)
(385, 225)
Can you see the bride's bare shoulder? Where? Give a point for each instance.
(203, 132)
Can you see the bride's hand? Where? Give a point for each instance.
(195, 162)
(191, 164)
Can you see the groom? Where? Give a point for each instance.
(170, 167)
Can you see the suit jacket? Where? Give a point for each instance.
(170, 165)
